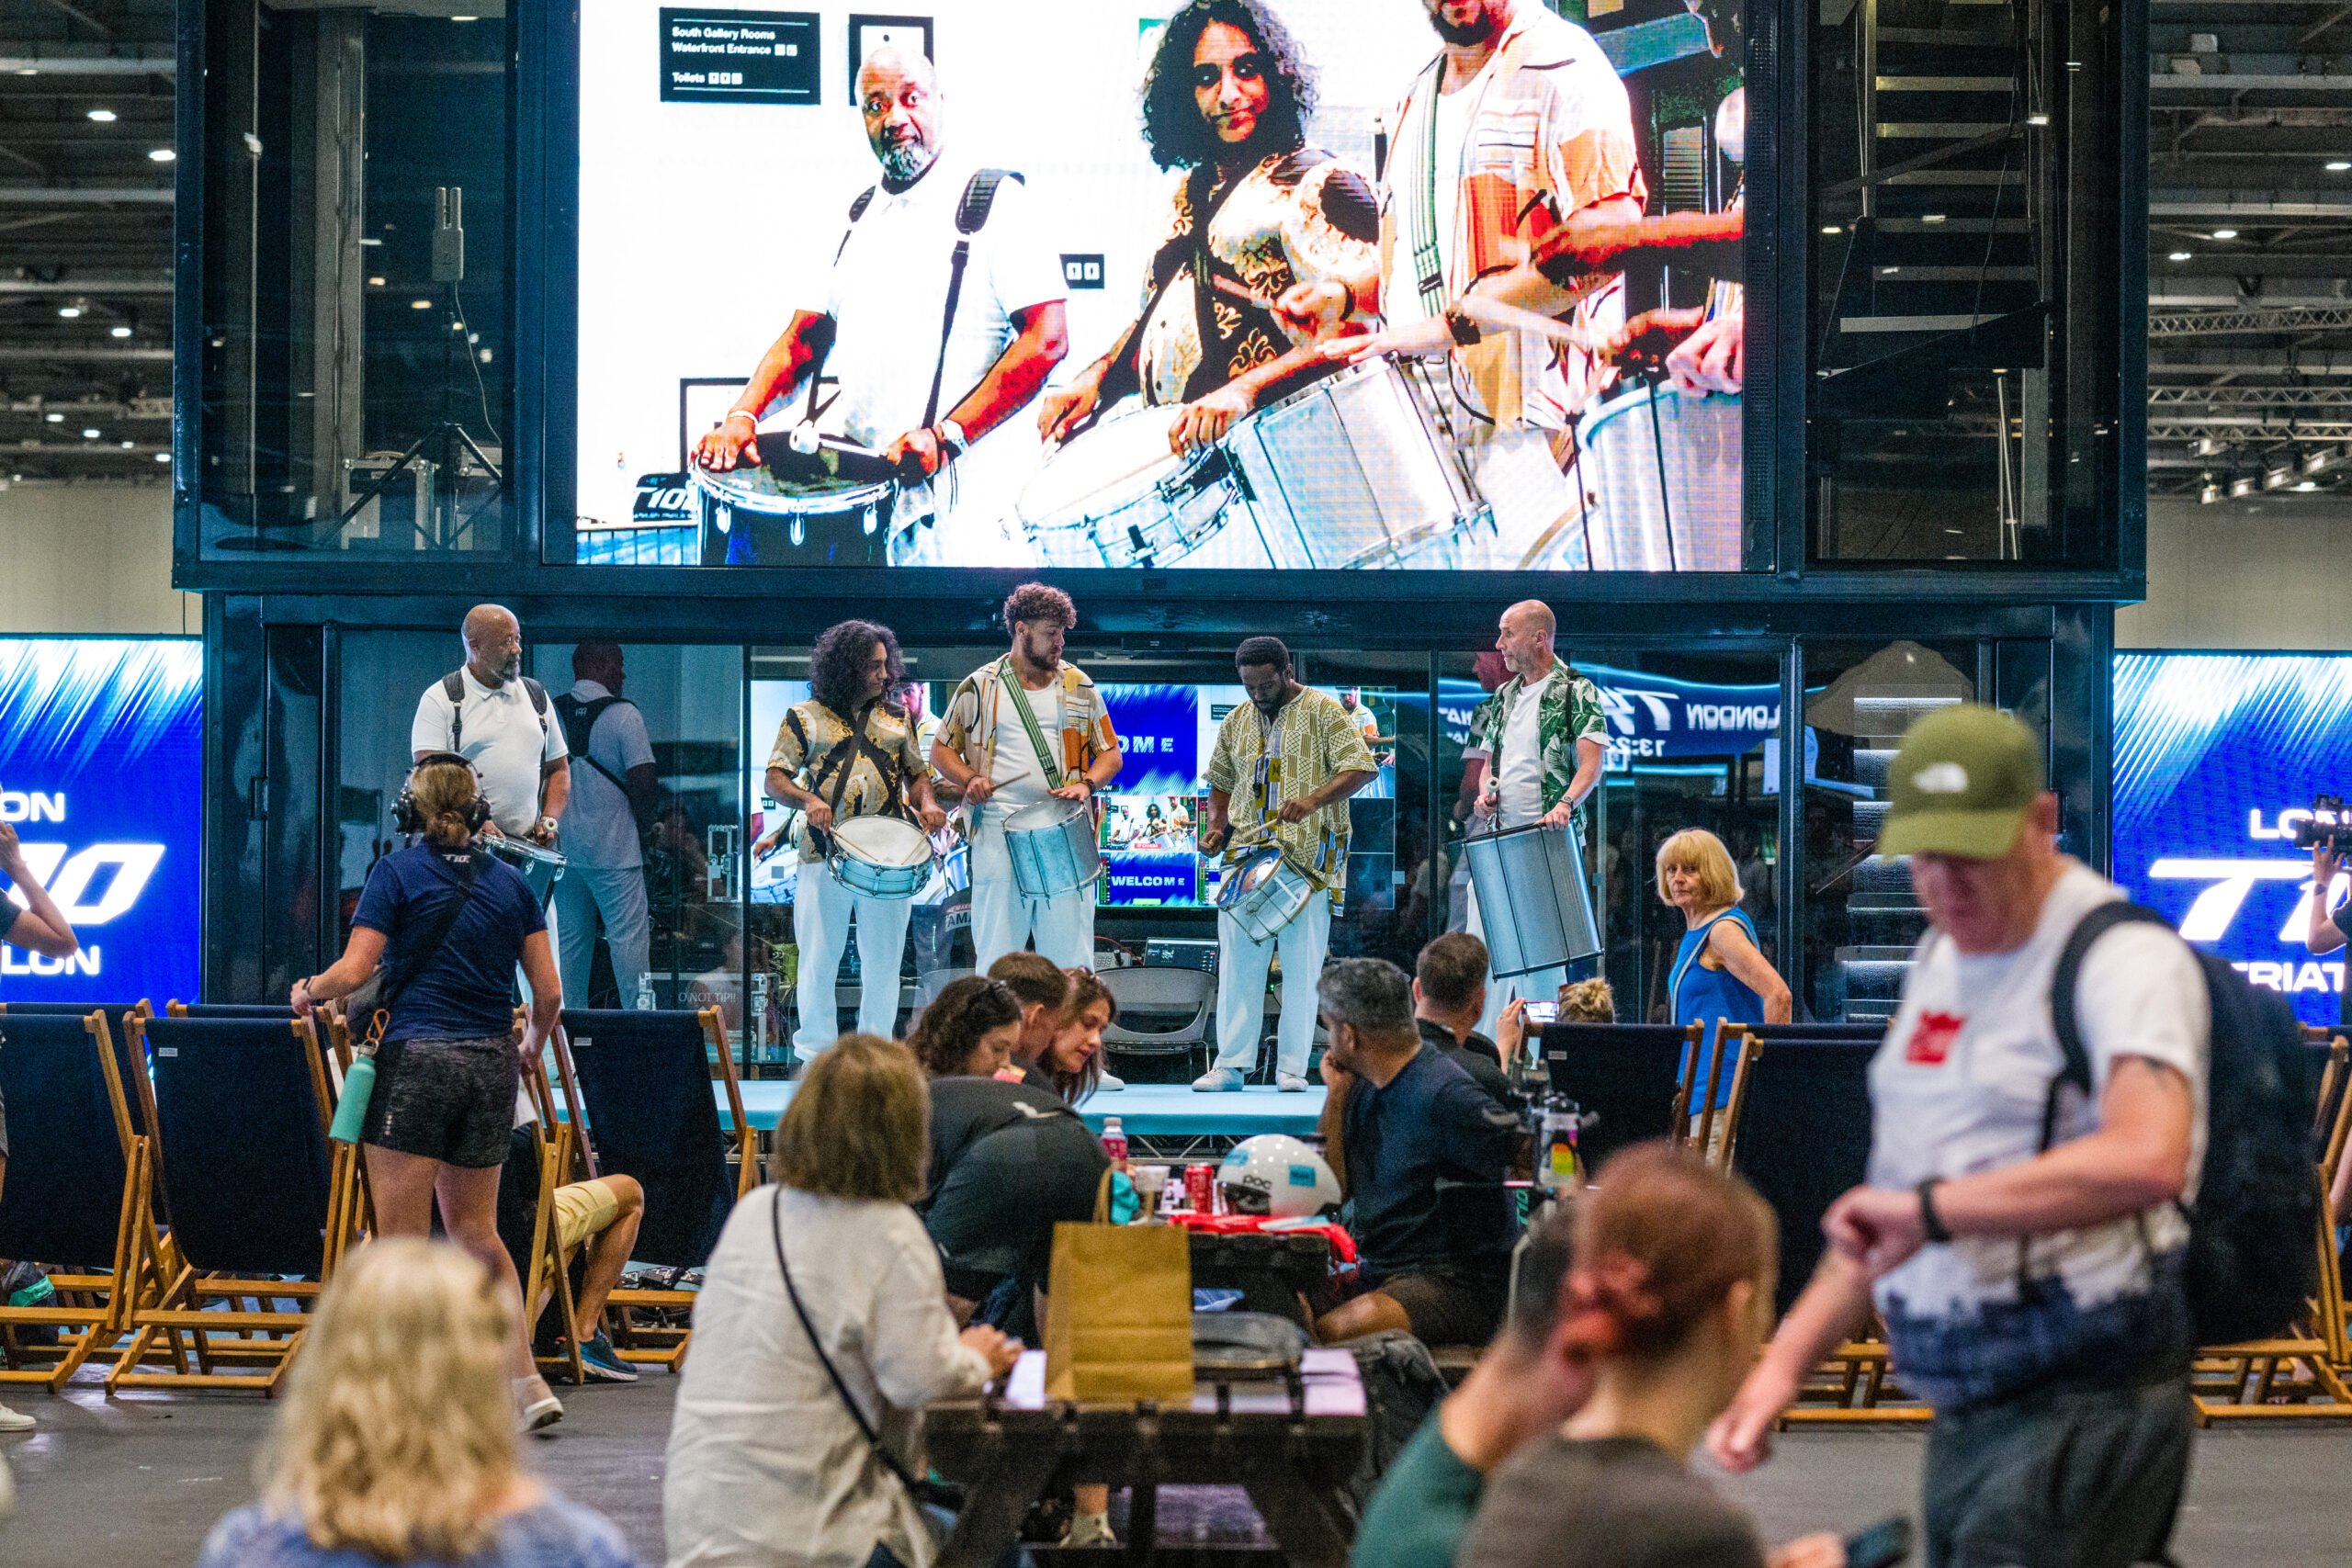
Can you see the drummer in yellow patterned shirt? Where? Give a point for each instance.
(849, 752)
(987, 749)
(1282, 769)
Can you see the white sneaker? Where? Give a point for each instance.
(536, 1404)
(15, 1420)
(1108, 1082)
(1217, 1080)
(1290, 1083)
(1090, 1530)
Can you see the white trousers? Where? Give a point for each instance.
(1004, 921)
(613, 895)
(1540, 985)
(1241, 965)
(821, 909)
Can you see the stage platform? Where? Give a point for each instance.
(1145, 1111)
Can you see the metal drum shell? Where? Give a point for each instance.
(747, 518)
(1533, 897)
(541, 868)
(859, 867)
(1054, 848)
(1114, 495)
(1262, 907)
(1658, 472)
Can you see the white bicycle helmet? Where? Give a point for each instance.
(1275, 1175)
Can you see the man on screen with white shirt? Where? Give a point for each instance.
(922, 387)
(614, 786)
(1547, 739)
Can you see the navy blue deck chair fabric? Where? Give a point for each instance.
(1623, 1073)
(117, 1029)
(1804, 1139)
(64, 1198)
(233, 1010)
(1873, 1031)
(246, 1155)
(645, 1076)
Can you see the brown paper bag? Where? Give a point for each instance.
(1119, 1311)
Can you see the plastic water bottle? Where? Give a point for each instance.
(756, 1026)
(1555, 1164)
(1115, 1142)
(645, 992)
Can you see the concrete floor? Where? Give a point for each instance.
(141, 1479)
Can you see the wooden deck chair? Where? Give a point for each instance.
(644, 1102)
(540, 1263)
(1744, 1050)
(1629, 1076)
(70, 1203)
(1803, 1138)
(2299, 1375)
(227, 1010)
(254, 1194)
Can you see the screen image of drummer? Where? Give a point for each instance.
(1213, 310)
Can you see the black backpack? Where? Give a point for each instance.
(2251, 1264)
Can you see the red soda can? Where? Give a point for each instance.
(1199, 1188)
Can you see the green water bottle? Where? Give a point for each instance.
(351, 1111)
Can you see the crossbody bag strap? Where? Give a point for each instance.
(431, 948)
(1010, 683)
(849, 1402)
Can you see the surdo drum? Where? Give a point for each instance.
(1532, 897)
(1053, 848)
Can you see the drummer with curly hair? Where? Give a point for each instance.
(1273, 243)
(1285, 764)
(849, 752)
(1028, 728)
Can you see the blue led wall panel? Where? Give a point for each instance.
(2216, 757)
(101, 775)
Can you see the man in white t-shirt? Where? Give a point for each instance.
(499, 721)
(987, 753)
(613, 788)
(924, 404)
(2024, 1242)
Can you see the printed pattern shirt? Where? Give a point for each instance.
(1261, 763)
(879, 770)
(1571, 712)
(978, 721)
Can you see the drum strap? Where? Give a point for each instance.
(971, 214)
(1429, 259)
(1010, 690)
(836, 765)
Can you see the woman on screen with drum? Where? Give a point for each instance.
(848, 760)
(1720, 976)
(1274, 245)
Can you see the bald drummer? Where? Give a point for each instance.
(1546, 740)
(924, 397)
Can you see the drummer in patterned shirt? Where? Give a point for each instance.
(848, 752)
(1282, 769)
(989, 751)
(1274, 244)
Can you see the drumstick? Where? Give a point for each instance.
(1495, 314)
(1233, 290)
(1709, 240)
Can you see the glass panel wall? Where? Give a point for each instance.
(355, 369)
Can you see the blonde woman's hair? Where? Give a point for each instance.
(444, 793)
(1588, 1001)
(1695, 849)
(398, 1435)
(859, 1124)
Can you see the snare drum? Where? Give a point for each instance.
(1657, 472)
(541, 868)
(882, 857)
(1264, 893)
(1114, 495)
(1053, 849)
(751, 517)
(1357, 470)
(1532, 897)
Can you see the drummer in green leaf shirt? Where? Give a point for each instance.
(1281, 773)
(1546, 740)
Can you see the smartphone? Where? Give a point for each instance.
(1542, 1013)
(1881, 1546)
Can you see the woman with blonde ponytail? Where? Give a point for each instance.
(396, 1443)
(1667, 1304)
(442, 924)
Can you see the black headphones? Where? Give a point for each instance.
(409, 819)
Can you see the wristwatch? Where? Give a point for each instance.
(548, 826)
(1465, 331)
(1931, 1222)
(951, 438)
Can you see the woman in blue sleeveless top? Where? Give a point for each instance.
(1719, 974)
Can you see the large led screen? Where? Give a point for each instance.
(102, 776)
(2218, 758)
(1187, 282)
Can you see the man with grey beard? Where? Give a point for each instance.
(920, 382)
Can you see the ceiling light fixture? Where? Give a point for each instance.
(1931, 217)
(2037, 119)
(2319, 461)
(2339, 167)
(2211, 446)
(2225, 234)
(1831, 229)
(91, 434)
(70, 312)
(2180, 255)
(162, 456)
(104, 117)
(2277, 477)
(2306, 486)
(2209, 493)
(118, 331)
(161, 155)
(129, 445)
(55, 418)
(420, 304)
(2242, 487)
(375, 283)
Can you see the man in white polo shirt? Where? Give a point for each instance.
(920, 382)
(614, 787)
(501, 721)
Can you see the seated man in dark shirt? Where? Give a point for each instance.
(1423, 1151)
(1448, 993)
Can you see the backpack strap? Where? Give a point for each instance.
(579, 721)
(971, 216)
(2063, 985)
(453, 686)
